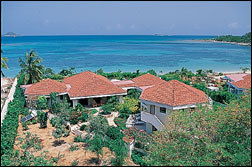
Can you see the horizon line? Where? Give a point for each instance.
(109, 35)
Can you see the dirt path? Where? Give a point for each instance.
(111, 119)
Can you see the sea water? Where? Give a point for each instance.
(126, 52)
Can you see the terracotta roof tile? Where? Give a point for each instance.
(147, 80)
(244, 83)
(90, 84)
(45, 87)
(174, 93)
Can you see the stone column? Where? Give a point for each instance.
(90, 101)
(75, 102)
(120, 99)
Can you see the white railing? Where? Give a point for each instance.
(150, 118)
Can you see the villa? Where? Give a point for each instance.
(158, 97)
(238, 83)
(86, 88)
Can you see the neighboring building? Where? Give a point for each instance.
(159, 101)
(90, 89)
(44, 87)
(86, 88)
(159, 98)
(140, 83)
(238, 83)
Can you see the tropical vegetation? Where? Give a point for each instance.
(31, 68)
(230, 38)
(205, 136)
(4, 61)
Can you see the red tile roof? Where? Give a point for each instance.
(174, 93)
(124, 83)
(147, 80)
(244, 83)
(236, 77)
(45, 87)
(90, 84)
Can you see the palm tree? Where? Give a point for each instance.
(33, 72)
(4, 60)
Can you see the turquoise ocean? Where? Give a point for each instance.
(126, 52)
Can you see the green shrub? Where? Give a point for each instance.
(78, 139)
(53, 121)
(106, 109)
(137, 158)
(25, 112)
(75, 163)
(34, 121)
(42, 103)
(25, 126)
(121, 151)
(120, 122)
(134, 93)
(43, 117)
(73, 147)
(83, 127)
(92, 111)
(114, 133)
(84, 117)
(10, 122)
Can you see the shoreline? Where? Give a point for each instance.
(211, 40)
(158, 73)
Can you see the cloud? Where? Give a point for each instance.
(233, 25)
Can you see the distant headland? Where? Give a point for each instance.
(11, 34)
(240, 40)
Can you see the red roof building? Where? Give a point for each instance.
(90, 84)
(239, 84)
(142, 82)
(244, 83)
(45, 87)
(174, 93)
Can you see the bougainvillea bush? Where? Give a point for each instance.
(140, 136)
(120, 122)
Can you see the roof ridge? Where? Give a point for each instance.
(173, 94)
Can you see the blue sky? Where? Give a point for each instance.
(126, 18)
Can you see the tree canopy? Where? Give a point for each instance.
(205, 136)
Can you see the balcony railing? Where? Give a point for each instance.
(152, 119)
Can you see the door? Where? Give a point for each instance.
(152, 109)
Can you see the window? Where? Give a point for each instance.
(152, 109)
(163, 110)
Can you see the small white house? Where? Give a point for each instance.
(159, 101)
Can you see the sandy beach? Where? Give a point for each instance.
(211, 40)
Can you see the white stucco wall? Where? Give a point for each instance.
(148, 128)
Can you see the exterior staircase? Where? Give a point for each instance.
(152, 119)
